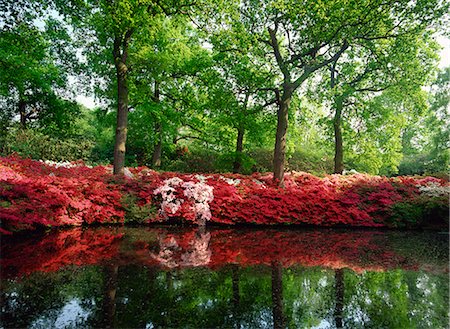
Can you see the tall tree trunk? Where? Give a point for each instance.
(339, 286)
(338, 104)
(237, 165)
(110, 274)
(277, 295)
(122, 117)
(279, 154)
(157, 150)
(23, 114)
(120, 53)
(338, 145)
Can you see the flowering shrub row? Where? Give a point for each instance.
(34, 193)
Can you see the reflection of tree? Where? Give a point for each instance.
(235, 283)
(277, 295)
(236, 293)
(109, 296)
(339, 286)
(396, 299)
(24, 302)
(251, 292)
(198, 297)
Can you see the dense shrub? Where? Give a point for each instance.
(34, 144)
(258, 160)
(195, 160)
(424, 163)
(33, 194)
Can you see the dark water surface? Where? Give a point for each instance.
(225, 278)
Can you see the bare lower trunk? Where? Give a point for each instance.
(280, 139)
(277, 295)
(157, 150)
(23, 114)
(338, 144)
(237, 165)
(122, 118)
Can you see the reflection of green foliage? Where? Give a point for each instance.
(308, 296)
(201, 297)
(395, 299)
(41, 296)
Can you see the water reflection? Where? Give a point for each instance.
(161, 277)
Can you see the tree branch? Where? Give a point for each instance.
(276, 50)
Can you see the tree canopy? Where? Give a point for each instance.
(213, 86)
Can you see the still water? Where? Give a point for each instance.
(166, 277)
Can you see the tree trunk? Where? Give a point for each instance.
(122, 117)
(277, 295)
(339, 282)
(23, 114)
(280, 139)
(157, 150)
(338, 146)
(237, 165)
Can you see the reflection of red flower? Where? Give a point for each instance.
(363, 250)
(60, 248)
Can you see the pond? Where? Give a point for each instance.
(159, 277)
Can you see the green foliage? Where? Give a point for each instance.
(196, 160)
(135, 213)
(195, 87)
(407, 214)
(422, 212)
(36, 145)
(225, 162)
(425, 143)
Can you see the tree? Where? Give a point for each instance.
(167, 59)
(33, 75)
(402, 64)
(438, 122)
(239, 87)
(425, 144)
(304, 37)
(111, 27)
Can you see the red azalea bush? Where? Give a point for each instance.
(34, 193)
